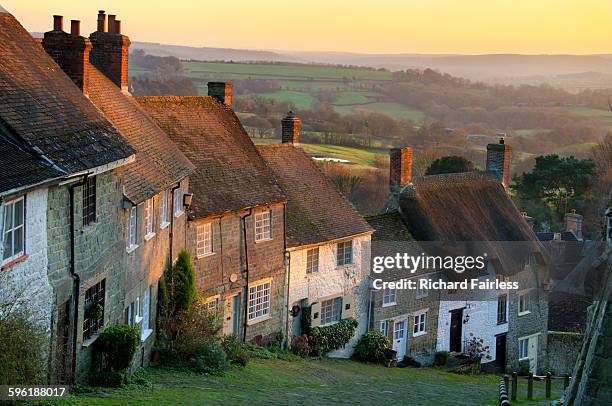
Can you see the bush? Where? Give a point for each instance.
(211, 359)
(115, 347)
(22, 344)
(329, 338)
(177, 289)
(441, 357)
(107, 379)
(235, 350)
(371, 347)
(300, 346)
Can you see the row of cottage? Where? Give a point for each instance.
(100, 190)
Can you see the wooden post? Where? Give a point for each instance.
(507, 381)
(514, 386)
(548, 385)
(530, 386)
(566, 380)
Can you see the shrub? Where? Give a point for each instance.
(441, 357)
(113, 353)
(177, 290)
(300, 346)
(329, 338)
(22, 344)
(476, 350)
(235, 350)
(211, 359)
(371, 347)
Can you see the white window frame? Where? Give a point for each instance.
(342, 251)
(505, 296)
(137, 308)
(259, 301)
(520, 349)
(421, 292)
(312, 260)
(149, 218)
(384, 327)
(132, 229)
(204, 239)
(212, 303)
(164, 222)
(419, 326)
(146, 329)
(389, 297)
(12, 230)
(178, 201)
(263, 225)
(333, 307)
(524, 302)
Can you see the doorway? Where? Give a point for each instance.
(399, 338)
(231, 315)
(456, 330)
(500, 352)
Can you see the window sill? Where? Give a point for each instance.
(11, 263)
(422, 333)
(263, 240)
(145, 334)
(138, 320)
(90, 341)
(329, 324)
(389, 304)
(131, 248)
(178, 214)
(164, 225)
(500, 323)
(149, 236)
(258, 319)
(524, 313)
(210, 254)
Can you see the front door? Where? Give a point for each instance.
(399, 338)
(500, 352)
(533, 354)
(456, 330)
(231, 316)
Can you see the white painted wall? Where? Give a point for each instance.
(26, 285)
(331, 280)
(482, 310)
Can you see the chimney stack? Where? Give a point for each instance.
(70, 51)
(222, 91)
(573, 223)
(110, 50)
(400, 166)
(499, 157)
(58, 23)
(290, 129)
(101, 21)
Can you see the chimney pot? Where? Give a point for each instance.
(75, 27)
(573, 223)
(222, 91)
(101, 21)
(111, 23)
(498, 161)
(400, 166)
(117, 27)
(290, 129)
(58, 23)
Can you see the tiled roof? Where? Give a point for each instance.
(316, 211)
(20, 168)
(159, 163)
(230, 174)
(389, 227)
(43, 110)
(549, 236)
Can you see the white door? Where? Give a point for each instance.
(228, 316)
(399, 338)
(533, 353)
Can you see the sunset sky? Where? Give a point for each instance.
(369, 26)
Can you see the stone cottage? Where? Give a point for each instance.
(473, 209)
(61, 201)
(236, 223)
(151, 212)
(327, 242)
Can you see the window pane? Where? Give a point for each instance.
(18, 241)
(8, 217)
(18, 211)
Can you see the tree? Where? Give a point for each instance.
(450, 164)
(557, 184)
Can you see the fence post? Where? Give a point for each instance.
(514, 386)
(566, 380)
(507, 381)
(548, 385)
(530, 386)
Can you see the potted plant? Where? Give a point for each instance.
(441, 358)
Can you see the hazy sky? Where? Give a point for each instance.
(373, 26)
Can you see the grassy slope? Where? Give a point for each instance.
(307, 382)
(395, 110)
(357, 156)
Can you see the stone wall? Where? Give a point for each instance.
(563, 349)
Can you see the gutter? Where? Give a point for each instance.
(77, 280)
(246, 271)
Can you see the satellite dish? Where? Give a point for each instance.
(233, 278)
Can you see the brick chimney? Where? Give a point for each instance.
(573, 223)
(70, 51)
(499, 157)
(110, 50)
(222, 91)
(290, 129)
(400, 166)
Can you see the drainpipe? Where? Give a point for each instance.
(77, 280)
(287, 257)
(246, 271)
(172, 209)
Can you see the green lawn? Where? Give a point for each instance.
(301, 100)
(305, 382)
(394, 110)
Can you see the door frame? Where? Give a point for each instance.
(460, 329)
(535, 359)
(396, 321)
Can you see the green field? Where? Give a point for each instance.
(357, 156)
(354, 97)
(588, 112)
(301, 100)
(395, 110)
(309, 382)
